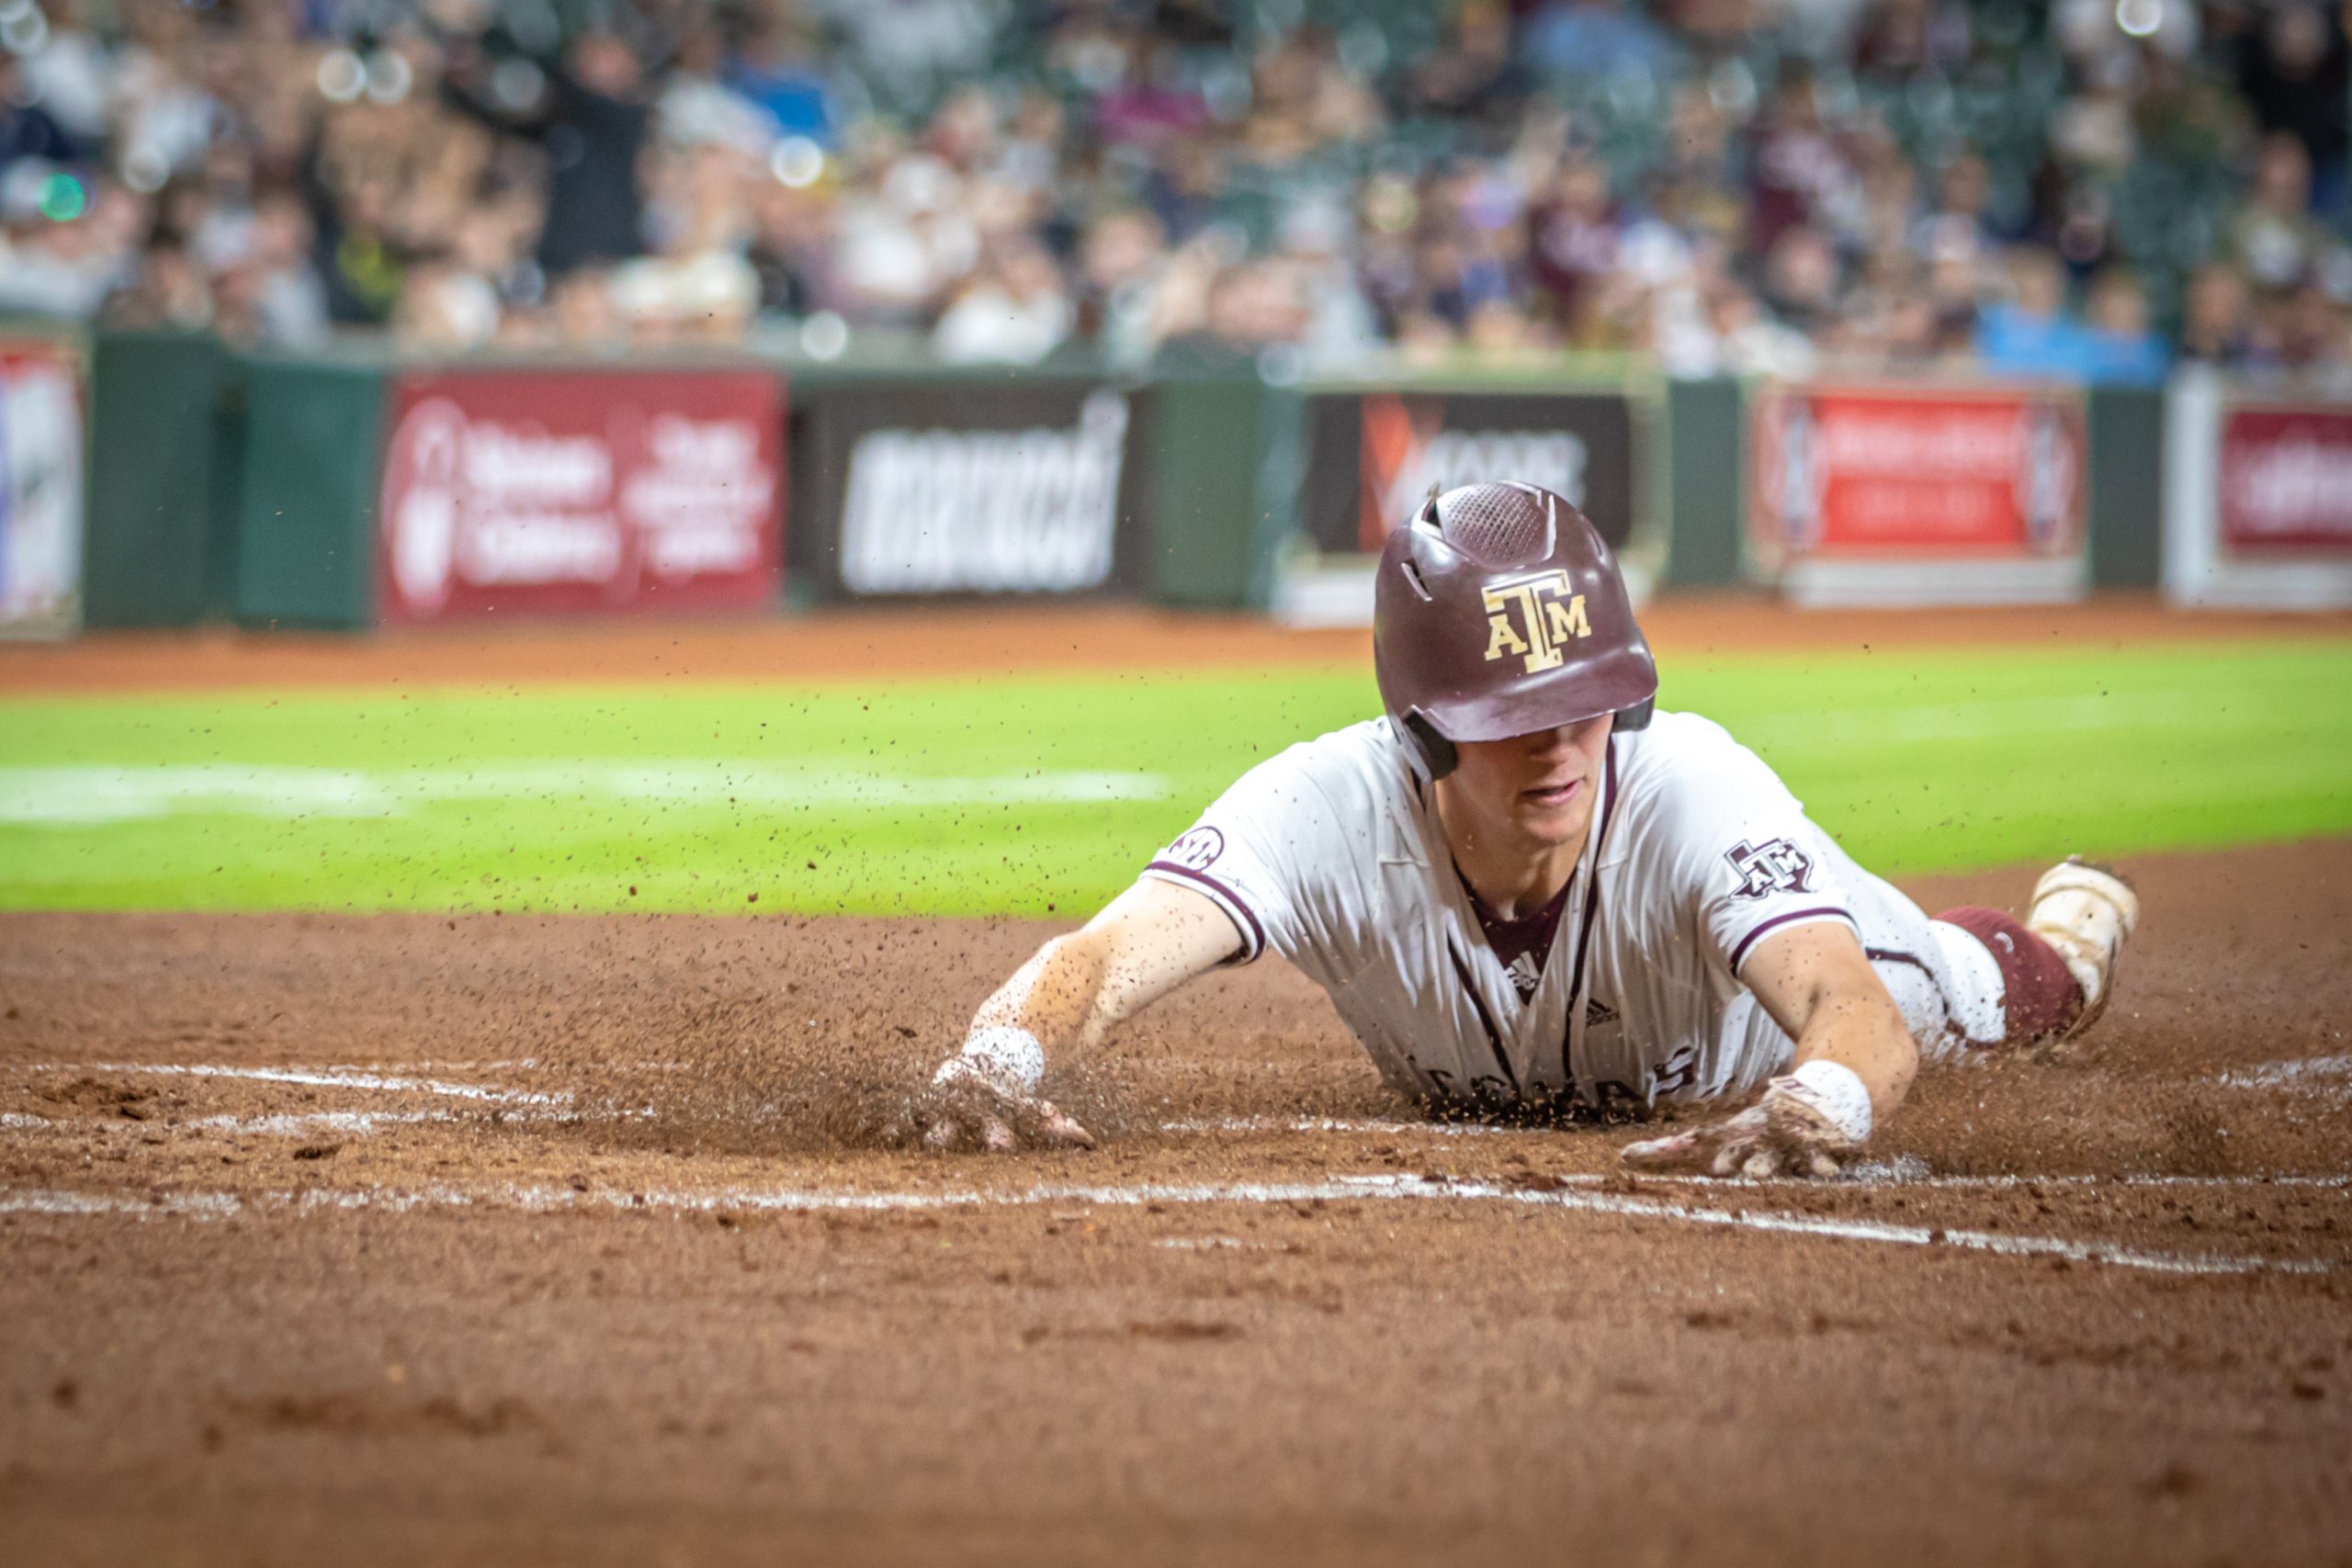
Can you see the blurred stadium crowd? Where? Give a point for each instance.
(2091, 188)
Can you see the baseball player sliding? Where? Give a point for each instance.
(1529, 894)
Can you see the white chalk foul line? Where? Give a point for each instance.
(1344, 1190)
(319, 1078)
(1905, 1170)
(1909, 1170)
(2317, 1077)
(303, 1124)
(1247, 1124)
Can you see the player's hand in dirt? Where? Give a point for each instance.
(966, 1108)
(1784, 1133)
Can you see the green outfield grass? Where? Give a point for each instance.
(1045, 795)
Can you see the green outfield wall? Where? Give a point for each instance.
(160, 535)
(306, 469)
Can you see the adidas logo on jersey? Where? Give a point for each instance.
(1525, 975)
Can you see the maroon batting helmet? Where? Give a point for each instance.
(1499, 611)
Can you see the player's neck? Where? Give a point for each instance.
(1513, 874)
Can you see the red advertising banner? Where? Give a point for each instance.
(568, 491)
(2286, 480)
(1891, 472)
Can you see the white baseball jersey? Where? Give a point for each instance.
(1332, 855)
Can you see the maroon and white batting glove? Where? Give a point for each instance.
(1807, 1121)
(987, 1099)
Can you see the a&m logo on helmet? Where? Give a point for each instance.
(1542, 608)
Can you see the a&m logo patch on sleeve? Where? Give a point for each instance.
(1775, 865)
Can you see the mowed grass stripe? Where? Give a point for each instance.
(1043, 794)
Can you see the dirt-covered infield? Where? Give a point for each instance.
(500, 1240)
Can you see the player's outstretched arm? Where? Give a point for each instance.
(1144, 944)
(1855, 1060)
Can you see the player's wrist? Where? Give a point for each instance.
(1834, 1093)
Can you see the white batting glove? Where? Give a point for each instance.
(987, 1099)
(1807, 1121)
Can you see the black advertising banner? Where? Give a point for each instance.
(1372, 457)
(1024, 485)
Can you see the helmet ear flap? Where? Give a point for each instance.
(1638, 716)
(1436, 753)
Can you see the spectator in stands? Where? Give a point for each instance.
(1956, 230)
(1472, 76)
(55, 260)
(464, 296)
(775, 67)
(1341, 328)
(2030, 333)
(2300, 330)
(1804, 280)
(590, 116)
(1900, 40)
(27, 131)
(2124, 349)
(1570, 39)
(581, 312)
(2276, 240)
(907, 49)
(166, 288)
(793, 242)
(1152, 104)
(2216, 322)
(1249, 307)
(168, 115)
(1500, 333)
(1123, 263)
(2291, 66)
(361, 263)
(1953, 291)
(1306, 100)
(2094, 132)
(699, 285)
(444, 306)
(698, 102)
(1798, 172)
(1011, 310)
(268, 291)
(63, 68)
(1112, 179)
(1572, 234)
(905, 238)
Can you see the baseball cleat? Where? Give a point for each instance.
(2085, 911)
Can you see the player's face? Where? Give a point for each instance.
(1541, 786)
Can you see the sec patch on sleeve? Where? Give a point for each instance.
(1196, 850)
